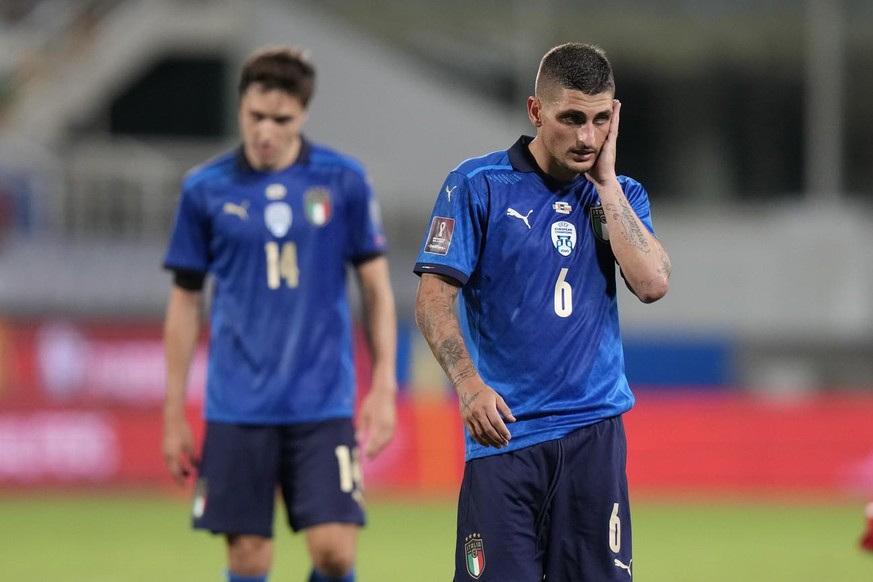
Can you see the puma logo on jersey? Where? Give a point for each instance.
(449, 192)
(240, 210)
(619, 564)
(515, 214)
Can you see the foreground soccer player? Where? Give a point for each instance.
(275, 223)
(529, 238)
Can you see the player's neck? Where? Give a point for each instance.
(547, 164)
(287, 158)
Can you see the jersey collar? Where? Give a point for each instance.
(523, 161)
(242, 163)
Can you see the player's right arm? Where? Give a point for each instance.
(181, 333)
(482, 409)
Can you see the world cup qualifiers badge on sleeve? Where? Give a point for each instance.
(440, 236)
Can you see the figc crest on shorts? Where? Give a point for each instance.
(474, 549)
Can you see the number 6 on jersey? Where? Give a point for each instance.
(563, 295)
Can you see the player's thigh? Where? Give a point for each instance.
(501, 508)
(321, 474)
(235, 491)
(589, 529)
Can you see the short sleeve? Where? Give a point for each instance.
(189, 241)
(366, 234)
(455, 231)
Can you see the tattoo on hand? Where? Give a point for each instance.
(467, 400)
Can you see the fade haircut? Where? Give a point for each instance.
(577, 66)
(280, 68)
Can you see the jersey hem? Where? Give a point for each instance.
(530, 439)
(274, 420)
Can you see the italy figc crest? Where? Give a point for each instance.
(598, 223)
(318, 206)
(474, 548)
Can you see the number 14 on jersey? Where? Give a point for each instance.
(282, 264)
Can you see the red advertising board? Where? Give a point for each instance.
(80, 405)
(690, 441)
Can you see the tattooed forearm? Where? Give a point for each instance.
(644, 263)
(666, 267)
(427, 323)
(630, 226)
(453, 357)
(439, 325)
(450, 352)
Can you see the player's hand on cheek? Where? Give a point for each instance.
(484, 413)
(603, 169)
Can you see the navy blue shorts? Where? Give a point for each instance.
(555, 511)
(315, 466)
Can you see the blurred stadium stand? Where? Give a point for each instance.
(750, 122)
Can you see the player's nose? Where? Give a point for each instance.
(584, 135)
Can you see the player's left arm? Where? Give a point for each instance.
(378, 415)
(645, 264)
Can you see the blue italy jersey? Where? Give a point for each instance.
(277, 245)
(538, 305)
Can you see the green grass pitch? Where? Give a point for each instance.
(126, 538)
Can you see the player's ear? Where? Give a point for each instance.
(535, 111)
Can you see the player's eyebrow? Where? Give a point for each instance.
(277, 118)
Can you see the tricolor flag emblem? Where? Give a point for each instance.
(317, 206)
(598, 223)
(475, 550)
(562, 207)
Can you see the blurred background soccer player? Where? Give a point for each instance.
(275, 223)
(529, 237)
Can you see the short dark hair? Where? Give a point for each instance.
(280, 68)
(582, 67)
